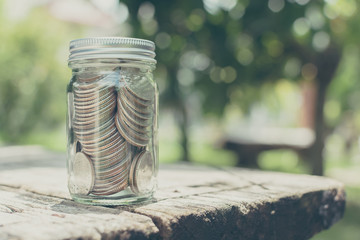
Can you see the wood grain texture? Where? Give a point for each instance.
(193, 202)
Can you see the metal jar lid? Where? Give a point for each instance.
(112, 47)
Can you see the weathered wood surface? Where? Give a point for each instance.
(192, 202)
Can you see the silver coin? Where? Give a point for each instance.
(141, 89)
(105, 143)
(106, 126)
(105, 152)
(130, 138)
(88, 79)
(113, 189)
(96, 86)
(89, 76)
(97, 89)
(106, 160)
(106, 165)
(114, 175)
(118, 183)
(94, 103)
(109, 162)
(87, 140)
(93, 114)
(115, 169)
(86, 94)
(107, 80)
(82, 124)
(141, 135)
(81, 100)
(85, 123)
(134, 105)
(138, 114)
(82, 174)
(102, 165)
(141, 173)
(95, 108)
(84, 99)
(119, 145)
(95, 139)
(134, 99)
(113, 180)
(132, 117)
(133, 125)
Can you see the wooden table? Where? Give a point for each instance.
(193, 202)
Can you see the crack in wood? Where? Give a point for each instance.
(242, 178)
(199, 194)
(9, 208)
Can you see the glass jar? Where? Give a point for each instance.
(112, 121)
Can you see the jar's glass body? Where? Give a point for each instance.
(112, 131)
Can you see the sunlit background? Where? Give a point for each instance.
(276, 74)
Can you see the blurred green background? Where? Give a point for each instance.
(225, 68)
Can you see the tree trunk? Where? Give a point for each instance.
(178, 102)
(183, 124)
(326, 63)
(316, 151)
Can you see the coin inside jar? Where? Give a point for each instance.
(129, 115)
(83, 177)
(134, 115)
(141, 89)
(132, 137)
(112, 179)
(141, 173)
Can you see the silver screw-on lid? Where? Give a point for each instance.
(112, 47)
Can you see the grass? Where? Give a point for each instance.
(282, 161)
(201, 153)
(54, 140)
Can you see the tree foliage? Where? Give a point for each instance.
(216, 48)
(232, 43)
(32, 79)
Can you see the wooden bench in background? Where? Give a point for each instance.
(193, 202)
(249, 143)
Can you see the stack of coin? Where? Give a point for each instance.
(95, 129)
(135, 112)
(112, 169)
